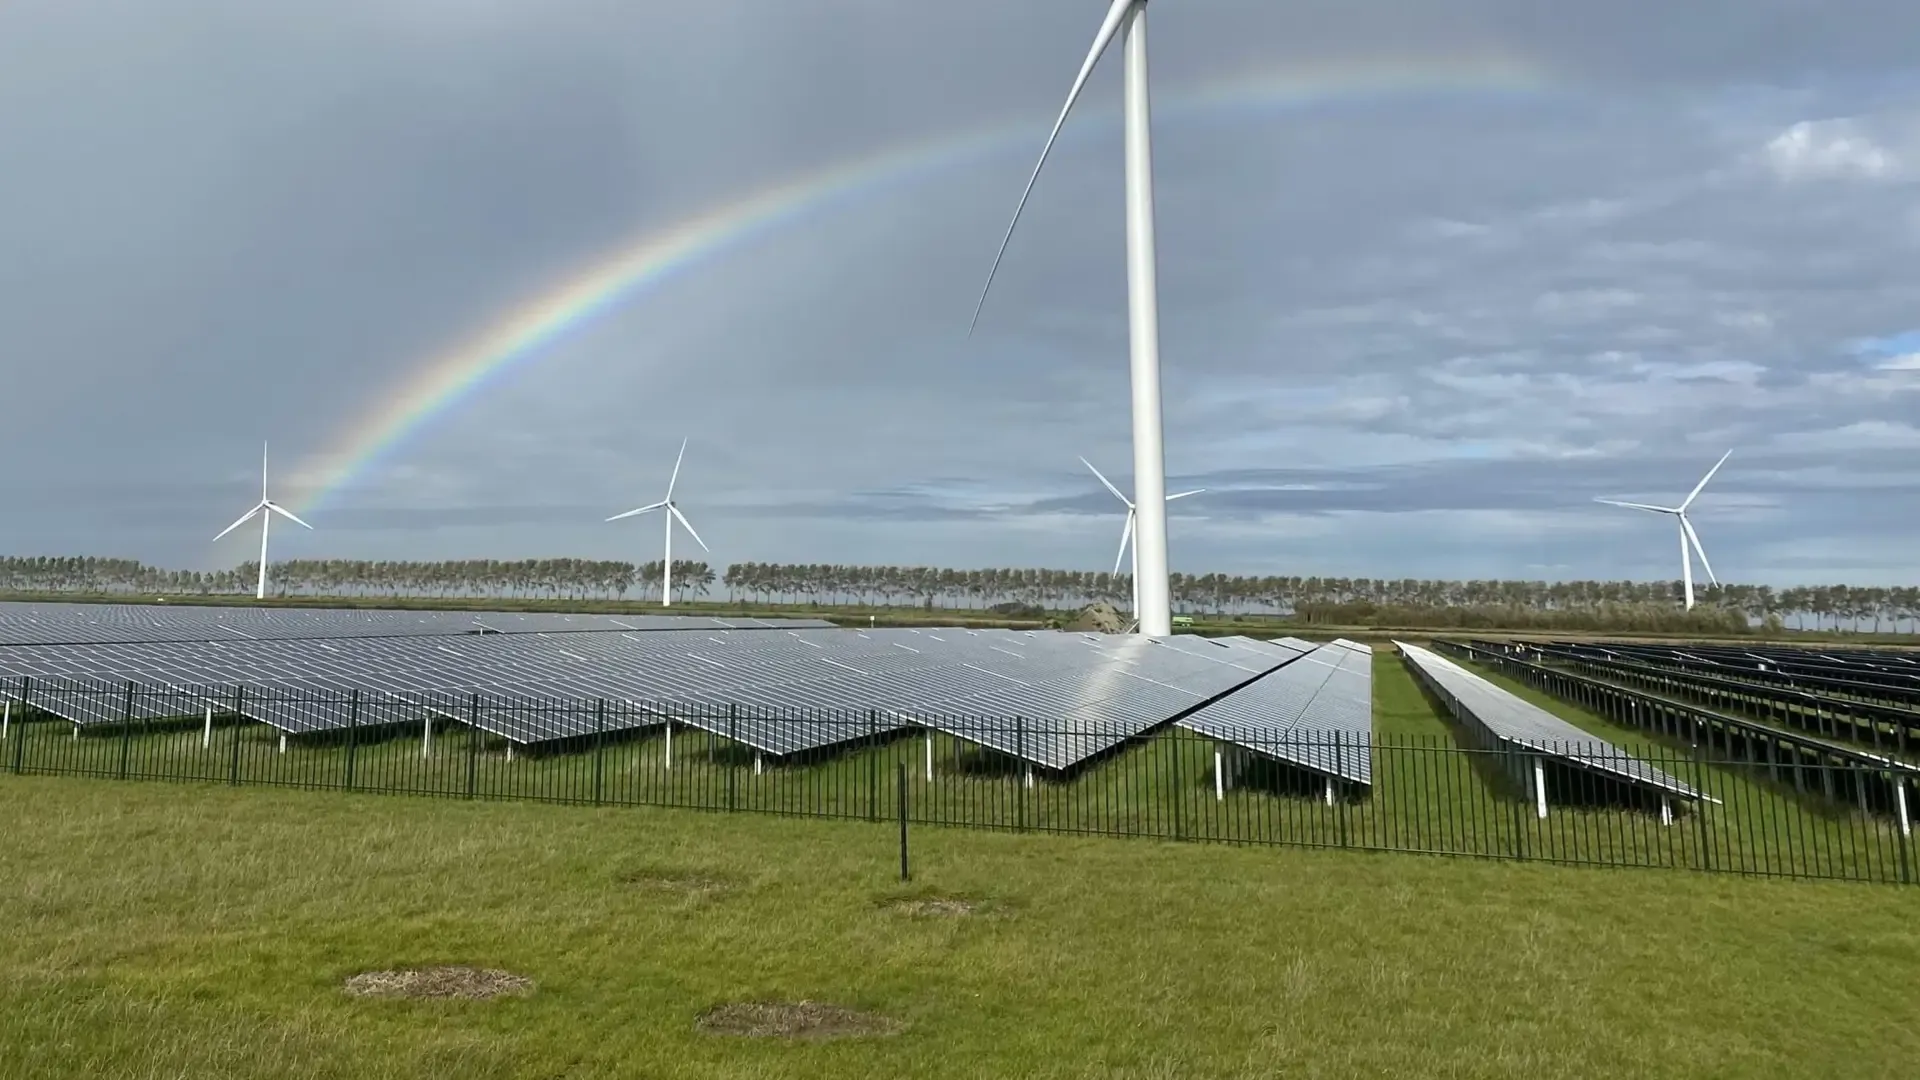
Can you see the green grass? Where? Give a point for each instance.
(200, 931)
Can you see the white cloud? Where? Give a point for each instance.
(1828, 149)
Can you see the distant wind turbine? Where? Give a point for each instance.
(1687, 535)
(673, 514)
(1126, 534)
(1155, 607)
(266, 508)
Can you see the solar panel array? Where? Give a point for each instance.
(1514, 724)
(53, 624)
(1316, 712)
(1052, 699)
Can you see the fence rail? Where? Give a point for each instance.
(1419, 794)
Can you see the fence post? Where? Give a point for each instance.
(733, 737)
(873, 767)
(353, 732)
(473, 742)
(233, 745)
(599, 746)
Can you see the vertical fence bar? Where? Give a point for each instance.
(873, 766)
(233, 744)
(903, 821)
(353, 732)
(473, 743)
(126, 729)
(599, 746)
(1700, 802)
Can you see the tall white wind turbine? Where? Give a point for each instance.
(1126, 534)
(1687, 535)
(673, 515)
(266, 508)
(1154, 608)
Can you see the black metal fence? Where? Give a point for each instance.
(1805, 818)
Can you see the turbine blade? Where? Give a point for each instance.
(1639, 506)
(1109, 483)
(649, 508)
(1126, 537)
(286, 513)
(1698, 550)
(1116, 15)
(1184, 494)
(1695, 493)
(688, 525)
(671, 480)
(244, 518)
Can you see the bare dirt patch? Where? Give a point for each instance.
(934, 907)
(464, 983)
(794, 1020)
(674, 881)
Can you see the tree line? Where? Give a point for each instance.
(1565, 605)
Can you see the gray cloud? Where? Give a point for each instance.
(1404, 333)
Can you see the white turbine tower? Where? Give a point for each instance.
(266, 508)
(673, 514)
(1154, 609)
(1126, 534)
(1687, 535)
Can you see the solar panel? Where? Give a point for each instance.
(1503, 719)
(1052, 699)
(1315, 713)
(59, 623)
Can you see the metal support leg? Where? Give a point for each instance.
(1900, 804)
(1219, 776)
(1540, 789)
(206, 732)
(929, 757)
(426, 736)
(756, 763)
(1666, 810)
(283, 744)
(669, 746)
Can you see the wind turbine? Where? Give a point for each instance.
(1154, 608)
(266, 508)
(673, 514)
(1126, 534)
(1687, 535)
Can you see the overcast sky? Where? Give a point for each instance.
(1548, 250)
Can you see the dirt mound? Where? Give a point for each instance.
(793, 1020)
(1098, 617)
(934, 906)
(438, 982)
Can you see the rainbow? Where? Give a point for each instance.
(444, 381)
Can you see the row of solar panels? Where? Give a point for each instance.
(75, 624)
(1805, 669)
(1051, 699)
(1505, 722)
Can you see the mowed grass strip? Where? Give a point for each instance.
(202, 931)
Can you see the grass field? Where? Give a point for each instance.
(162, 930)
